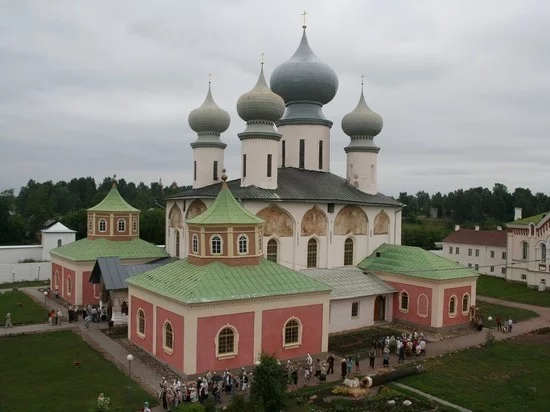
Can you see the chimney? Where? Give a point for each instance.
(517, 213)
(457, 228)
(477, 228)
(499, 228)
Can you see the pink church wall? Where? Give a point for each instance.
(273, 322)
(176, 357)
(414, 292)
(147, 341)
(68, 273)
(459, 318)
(207, 329)
(87, 289)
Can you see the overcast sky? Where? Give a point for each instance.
(95, 88)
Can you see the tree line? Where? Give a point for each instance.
(22, 216)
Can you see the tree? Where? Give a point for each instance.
(151, 224)
(269, 384)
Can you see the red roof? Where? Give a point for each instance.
(478, 237)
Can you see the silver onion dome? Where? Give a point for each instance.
(362, 121)
(304, 77)
(209, 117)
(260, 103)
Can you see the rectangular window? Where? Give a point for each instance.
(504, 255)
(523, 277)
(215, 170)
(476, 267)
(283, 154)
(503, 270)
(354, 309)
(195, 170)
(457, 250)
(320, 154)
(492, 254)
(492, 269)
(244, 165)
(477, 252)
(268, 165)
(330, 207)
(469, 252)
(470, 265)
(302, 153)
(450, 250)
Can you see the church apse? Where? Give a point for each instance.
(381, 224)
(195, 209)
(314, 222)
(278, 221)
(351, 220)
(175, 217)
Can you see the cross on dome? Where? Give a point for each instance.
(262, 58)
(209, 78)
(304, 14)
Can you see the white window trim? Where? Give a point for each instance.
(228, 355)
(69, 285)
(118, 222)
(138, 333)
(423, 315)
(300, 330)
(465, 312)
(267, 248)
(193, 249)
(239, 244)
(408, 302)
(165, 347)
(358, 309)
(317, 247)
(352, 251)
(452, 315)
(221, 245)
(102, 220)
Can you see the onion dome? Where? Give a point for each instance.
(209, 117)
(304, 77)
(362, 121)
(260, 103)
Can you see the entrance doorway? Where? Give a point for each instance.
(380, 309)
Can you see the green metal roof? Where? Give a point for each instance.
(533, 219)
(226, 211)
(113, 202)
(415, 262)
(87, 249)
(217, 281)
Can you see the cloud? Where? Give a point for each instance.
(96, 88)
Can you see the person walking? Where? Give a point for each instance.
(146, 407)
(330, 361)
(499, 323)
(8, 323)
(510, 325)
(386, 357)
(344, 368)
(357, 363)
(372, 356)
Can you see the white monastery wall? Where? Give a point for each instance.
(25, 271)
(51, 241)
(15, 254)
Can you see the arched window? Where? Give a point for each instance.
(168, 338)
(216, 245)
(452, 306)
(102, 225)
(312, 253)
(134, 224)
(69, 286)
(272, 250)
(260, 242)
(121, 225)
(543, 252)
(141, 322)
(243, 245)
(195, 244)
(56, 278)
(59, 242)
(177, 235)
(404, 301)
(465, 303)
(90, 225)
(226, 341)
(423, 304)
(348, 252)
(292, 332)
(524, 250)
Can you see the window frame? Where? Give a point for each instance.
(348, 254)
(167, 348)
(469, 252)
(56, 279)
(492, 254)
(90, 225)
(543, 252)
(418, 306)
(477, 252)
(121, 223)
(235, 349)
(69, 285)
(457, 250)
(242, 240)
(524, 250)
(453, 299)
(298, 341)
(102, 222)
(212, 245)
(270, 244)
(140, 314)
(355, 308)
(195, 247)
(269, 165)
(134, 224)
(401, 308)
(309, 253)
(467, 301)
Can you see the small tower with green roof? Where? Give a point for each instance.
(113, 218)
(226, 232)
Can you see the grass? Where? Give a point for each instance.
(357, 342)
(516, 292)
(505, 313)
(24, 284)
(506, 376)
(38, 374)
(23, 309)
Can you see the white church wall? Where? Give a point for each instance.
(340, 314)
(362, 171)
(312, 135)
(204, 158)
(52, 240)
(256, 151)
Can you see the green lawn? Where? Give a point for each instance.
(516, 292)
(38, 374)
(23, 309)
(505, 313)
(24, 284)
(507, 376)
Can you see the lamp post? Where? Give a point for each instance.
(130, 359)
(490, 336)
(13, 277)
(46, 304)
(39, 273)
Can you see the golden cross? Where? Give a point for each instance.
(262, 58)
(209, 78)
(362, 79)
(304, 16)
